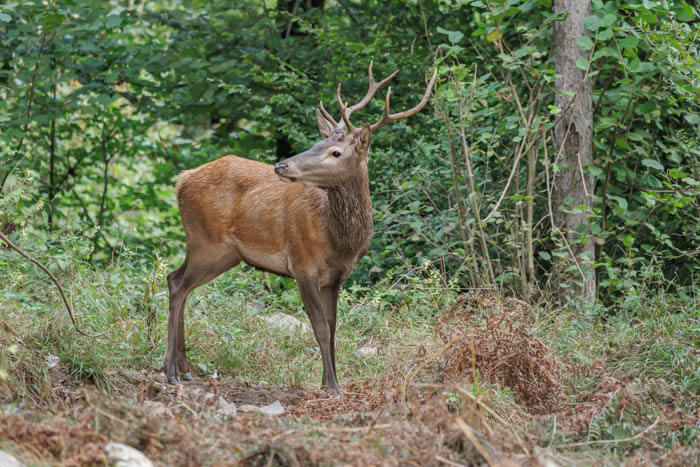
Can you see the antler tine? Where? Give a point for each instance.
(373, 87)
(326, 115)
(387, 118)
(343, 109)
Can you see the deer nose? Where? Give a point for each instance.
(280, 167)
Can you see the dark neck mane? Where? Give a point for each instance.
(350, 214)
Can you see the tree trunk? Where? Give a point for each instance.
(573, 139)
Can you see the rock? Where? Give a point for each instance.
(121, 455)
(52, 361)
(367, 351)
(284, 322)
(8, 460)
(273, 409)
(158, 409)
(226, 408)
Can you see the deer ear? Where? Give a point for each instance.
(324, 126)
(363, 138)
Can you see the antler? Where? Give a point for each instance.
(346, 111)
(326, 115)
(387, 118)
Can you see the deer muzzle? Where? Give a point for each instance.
(281, 169)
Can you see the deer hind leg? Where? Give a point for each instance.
(198, 269)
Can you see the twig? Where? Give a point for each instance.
(350, 12)
(55, 281)
(469, 433)
(358, 429)
(426, 362)
(495, 415)
(32, 88)
(449, 462)
(291, 21)
(8, 329)
(608, 441)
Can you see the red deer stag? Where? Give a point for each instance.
(236, 209)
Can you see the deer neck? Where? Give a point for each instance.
(350, 213)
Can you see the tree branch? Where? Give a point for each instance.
(55, 281)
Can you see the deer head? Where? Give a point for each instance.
(344, 149)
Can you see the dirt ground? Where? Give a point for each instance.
(425, 413)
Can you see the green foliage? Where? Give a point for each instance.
(102, 106)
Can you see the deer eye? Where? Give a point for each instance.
(335, 153)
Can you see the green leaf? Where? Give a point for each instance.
(453, 36)
(606, 34)
(652, 164)
(544, 255)
(494, 35)
(621, 143)
(628, 42)
(637, 66)
(693, 119)
(113, 21)
(685, 13)
(51, 20)
(621, 202)
(676, 173)
(645, 108)
(608, 20)
(636, 136)
(592, 23)
(582, 63)
(585, 42)
(5, 18)
(649, 18)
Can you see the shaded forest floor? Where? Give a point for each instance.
(451, 380)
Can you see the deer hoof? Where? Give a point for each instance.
(187, 376)
(173, 380)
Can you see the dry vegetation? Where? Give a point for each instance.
(481, 388)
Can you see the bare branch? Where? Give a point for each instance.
(55, 281)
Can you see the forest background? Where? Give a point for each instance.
(103, 103)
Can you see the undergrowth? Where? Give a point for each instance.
(587, 386)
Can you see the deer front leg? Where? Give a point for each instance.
(329, 297)
(311, 297)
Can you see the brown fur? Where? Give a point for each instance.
(308, 217)
(235, 201)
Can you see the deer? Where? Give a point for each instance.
(308, 217)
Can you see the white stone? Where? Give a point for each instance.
(273, 409)
(284, 322)
(52, 361)
(8, 460)
(226, 408)
(158, 409)
(121, 455)
(367, 351)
